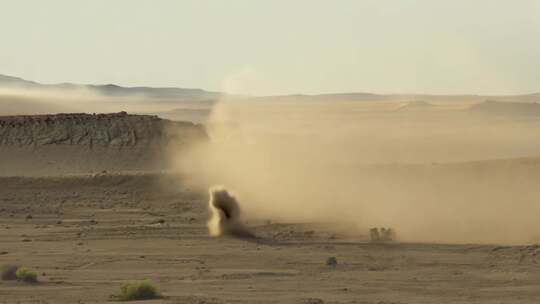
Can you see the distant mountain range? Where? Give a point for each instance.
(200, 94)
(535, 97)
(110, 89)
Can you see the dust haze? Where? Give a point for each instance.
(445, 169)
(78, 99)
(433, 171)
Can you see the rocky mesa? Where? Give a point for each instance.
(78, 142)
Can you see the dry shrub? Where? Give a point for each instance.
(26, 275)
(138, 291)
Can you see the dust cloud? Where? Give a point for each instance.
(434, 174)
(434, 171)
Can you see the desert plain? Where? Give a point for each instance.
(91, 201)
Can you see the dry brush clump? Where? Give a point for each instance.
(26, 275)
(383, 235)
(23, 274)
(138, 291)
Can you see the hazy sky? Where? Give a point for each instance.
(278, 47)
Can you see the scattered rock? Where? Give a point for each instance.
(160, 221)
(331, 261)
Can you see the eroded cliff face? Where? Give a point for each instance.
(72, 143)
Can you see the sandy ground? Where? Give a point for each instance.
(88, 234)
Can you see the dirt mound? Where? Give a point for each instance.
(72, 143)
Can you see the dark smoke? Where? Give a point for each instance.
(225, 215)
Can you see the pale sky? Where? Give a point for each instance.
(278, 46)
